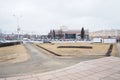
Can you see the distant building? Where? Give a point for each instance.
(67, 34)
(106, 36)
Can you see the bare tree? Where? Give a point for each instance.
(50, 34)
(60, 34)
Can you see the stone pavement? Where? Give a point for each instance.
(107, 68)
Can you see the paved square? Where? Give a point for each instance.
(107, 68)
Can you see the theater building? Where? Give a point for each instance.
(67, 34)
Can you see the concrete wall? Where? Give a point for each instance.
(97, 40)
(109, 40)
(100, 40)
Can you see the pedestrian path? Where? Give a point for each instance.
(107, 68)
(118, 47)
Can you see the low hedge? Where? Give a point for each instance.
(9, 44)
(84, 47)
(49, 50)
(109, 50)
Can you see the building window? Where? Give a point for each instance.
(70, 36)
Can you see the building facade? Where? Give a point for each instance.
(67, 34)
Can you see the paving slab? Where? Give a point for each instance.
(100, 69)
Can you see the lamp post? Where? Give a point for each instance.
(0, 35)
(18, 30)
(18, 26)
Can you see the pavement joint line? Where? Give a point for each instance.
(75, 72)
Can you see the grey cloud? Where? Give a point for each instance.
(42, 15)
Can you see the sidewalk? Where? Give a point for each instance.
(118, 47)
(107, 68)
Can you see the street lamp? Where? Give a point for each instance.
(18, 30)
(18, 27)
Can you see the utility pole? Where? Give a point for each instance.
(0, 35)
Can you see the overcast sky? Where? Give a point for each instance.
(39, 16)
